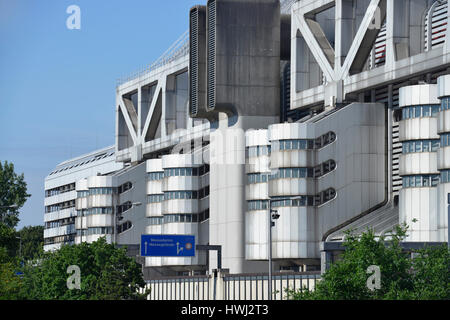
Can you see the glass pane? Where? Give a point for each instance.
(418, 146)
(418, 111)
(426, 111)
(418, 181)
(426, 146)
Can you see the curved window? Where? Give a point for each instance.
(445, 103)
(257, 205)
(176, 195)
(186, 172)
(124, 227)
(420, 146)
(258, 151)
(445, 140)
(155, 198)
(420, 111)
(181, 218)
(286, 173)
(306, 144)
(125, 187)
(325, 196)
(95, 191)
(257, 178)
(155, 221)
(155, 176)
(324, 168)
(100, 230)
(445, 176)
(419, 181)
(301, 201)
(124, 207)
(92, 211)
(82, 194)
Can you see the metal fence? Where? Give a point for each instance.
(230, 287)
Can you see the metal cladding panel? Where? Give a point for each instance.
(197, 64)
(243, 49)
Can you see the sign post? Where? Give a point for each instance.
(167, 245)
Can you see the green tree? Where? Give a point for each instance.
(424, 277)
(32, 242)
(106, 274)
(8, 240)
(13, 194)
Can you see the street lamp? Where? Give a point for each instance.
(14, 206)
(273, 215)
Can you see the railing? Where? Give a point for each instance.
(230, 287)
(180, 48)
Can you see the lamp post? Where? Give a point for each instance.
(14, 206)
(273, 215)
(20, 246)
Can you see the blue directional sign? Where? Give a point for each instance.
(167, 245)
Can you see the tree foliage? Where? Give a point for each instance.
(13, 194)
(106, 274)
(32, 242)
(402, 278)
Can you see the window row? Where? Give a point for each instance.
(60, 206)
(420, 146)
(187, 172)
(67, 239)
(283, 173)
(445, 176)
(155, 176)
(257, 178)
(59, 223)
(179, 218)
(418, 181)
(155, 198)
(257, 151)
(419, 111)
(297, 201)
(306, 144)
(92, 211)
(95, 191)
(60, 190)
(99, 230)
(175, 195)
(445, 140)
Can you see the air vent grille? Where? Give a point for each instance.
(211, 78)
(194, 47)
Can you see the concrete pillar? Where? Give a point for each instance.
(344, 31)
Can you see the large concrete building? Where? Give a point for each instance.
(331, 113)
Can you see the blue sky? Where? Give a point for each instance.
(57, 86)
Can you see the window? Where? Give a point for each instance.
(420, 111)
(418, 181)
(421, 146)
(125, 187)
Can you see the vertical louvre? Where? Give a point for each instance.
(378, 56)
(437, 15)
(194, 46)
(211, 78)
